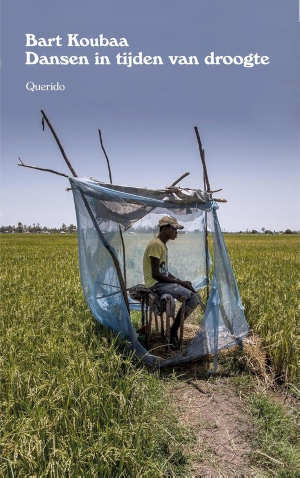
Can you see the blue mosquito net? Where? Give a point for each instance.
(103, 210)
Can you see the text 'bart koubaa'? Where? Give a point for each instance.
(73, 40)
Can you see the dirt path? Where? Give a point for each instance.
(214, 412)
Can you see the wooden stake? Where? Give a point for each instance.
(206, 256)
(143, 312)
(182, 322)
(41, 169)
(110, 250)
(147, 334)
(202, 156)
(124, 255)
(219, 200)
(149, 321)
(167, 323)
(162, 317)
(106, 157)
(120, 230)
(179, 179)
(206, 188)
(58, 143)
(156, 323)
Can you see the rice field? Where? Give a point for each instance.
(72, 401)
(267, 270)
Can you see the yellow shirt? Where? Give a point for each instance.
(156, 248)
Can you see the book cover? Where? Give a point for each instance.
(119, 91)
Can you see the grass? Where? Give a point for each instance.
(267, 271)
(275, 444)
(72, 401)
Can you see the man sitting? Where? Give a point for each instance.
(158, 278)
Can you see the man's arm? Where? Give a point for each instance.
(156, 274)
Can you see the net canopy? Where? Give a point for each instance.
(103, 210)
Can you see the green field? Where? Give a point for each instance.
(267, 270)
(73, 403)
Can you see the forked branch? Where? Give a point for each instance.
(105, 154)
(202, 156)
(45, 118)
(179, 179)
(40, 169)
(219, 200)
(120, 229)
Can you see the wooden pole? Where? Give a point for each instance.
(41, 169)
(45, 118)
(124, 255)
(168, 315)
(105, 154)
(156, 322)
(202, 156)
(206, 255)
(110, 250)
(206, 188)
(182, 317)
(179, 179)
(120, 230)
(149, 320)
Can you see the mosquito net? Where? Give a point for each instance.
(110, 263)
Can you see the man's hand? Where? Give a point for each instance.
(187, 284)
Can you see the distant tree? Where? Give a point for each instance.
(63, 227)
(254, 231)
(267, 231)
(20, 227)
(72, 228)
(288, 231)
(263, 229)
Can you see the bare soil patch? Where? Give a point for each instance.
(214, 412)
(159, 346)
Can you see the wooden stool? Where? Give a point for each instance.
(161, 310)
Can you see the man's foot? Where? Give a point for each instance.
(142, 330)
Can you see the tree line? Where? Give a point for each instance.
(38, 228)
(72, 228)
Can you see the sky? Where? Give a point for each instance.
(248, 118)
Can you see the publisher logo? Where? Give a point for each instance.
(41, 87)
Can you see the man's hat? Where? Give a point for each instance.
(170, 221)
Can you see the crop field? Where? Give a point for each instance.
(267, 271)
(72, 401)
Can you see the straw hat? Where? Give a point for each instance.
(170, 221)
